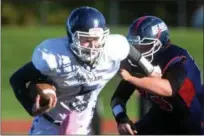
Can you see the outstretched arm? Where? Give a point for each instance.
(166, 86)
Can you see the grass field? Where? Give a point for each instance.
(19, 42)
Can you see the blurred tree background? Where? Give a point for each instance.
(117, 12)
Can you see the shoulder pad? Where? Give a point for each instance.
(117, 47)
(43, 58)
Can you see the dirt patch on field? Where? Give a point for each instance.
(23, 126)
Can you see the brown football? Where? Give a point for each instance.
(37, 88)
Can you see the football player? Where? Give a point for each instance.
(78, 66)
(175, 94)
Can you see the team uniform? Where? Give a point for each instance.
(180, 113)
(79, 65)
(77, 86)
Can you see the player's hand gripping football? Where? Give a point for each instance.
(127, 128)
(45, 101)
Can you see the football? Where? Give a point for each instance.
(45, 90)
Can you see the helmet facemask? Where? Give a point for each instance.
(88, 46)
(147, 46)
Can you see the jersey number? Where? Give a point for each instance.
(162, 103)
(165, 105)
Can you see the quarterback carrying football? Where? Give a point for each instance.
(68, 73)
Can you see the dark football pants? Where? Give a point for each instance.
(156, 122)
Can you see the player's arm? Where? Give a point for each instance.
(118, 106)
(119, 49)
(46, 62)
(19, 81)
(166, 86)
(33, 71)
(136, 58)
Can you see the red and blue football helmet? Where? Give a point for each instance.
(149, 35)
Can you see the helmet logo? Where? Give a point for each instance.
(159, 28)
(96, 32)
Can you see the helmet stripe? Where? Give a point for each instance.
(159, 34)
(139, 22)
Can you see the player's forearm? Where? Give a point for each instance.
(119, 110)
(157, 86)
(119, 99)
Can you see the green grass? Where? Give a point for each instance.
(19, 42)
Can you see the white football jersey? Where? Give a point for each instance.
(77, 86)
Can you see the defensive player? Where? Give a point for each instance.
(78, 66)
(175, 94)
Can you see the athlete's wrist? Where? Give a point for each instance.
(122, 118)
(119, 113)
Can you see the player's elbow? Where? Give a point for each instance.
(161, 88)
(164, 92)
(167, 92)
(168, 89)
(158, 86)
(13, 80)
